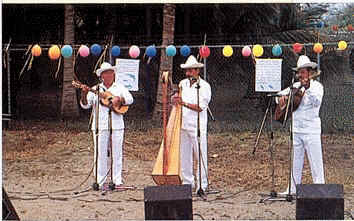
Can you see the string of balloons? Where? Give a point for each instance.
(257, 50)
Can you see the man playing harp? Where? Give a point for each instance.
(194, 110)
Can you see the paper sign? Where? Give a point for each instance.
(128, 73)
(268, 75)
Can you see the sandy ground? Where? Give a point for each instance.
(127, 204)
(54, 183)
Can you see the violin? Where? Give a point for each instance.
(282, 110)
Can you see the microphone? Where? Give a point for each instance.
(274, 95)
(198, 84)
(192, 78)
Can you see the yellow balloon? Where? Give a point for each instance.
(317, 48)
(257, 50)
(227, 51)
(342, 45)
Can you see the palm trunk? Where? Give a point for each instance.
(69, 105)
(165, 62)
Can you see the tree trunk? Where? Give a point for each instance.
(69, 105)
(165, 62)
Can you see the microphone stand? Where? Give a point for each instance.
(289, 197)
(111, 185)
(273, 194)
(95, 185)
(261, 128)
(200, 191)
(290, 103)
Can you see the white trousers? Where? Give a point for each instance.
(311, 143)
(189, 148)
(117, 156)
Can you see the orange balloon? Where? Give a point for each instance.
(317, 48)
(54, 52)
(36, 50)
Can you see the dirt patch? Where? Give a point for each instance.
(46, 167)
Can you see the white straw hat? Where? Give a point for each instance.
(304, 62)
(192, 63)
(105, 66)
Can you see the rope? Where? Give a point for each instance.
(44, 47)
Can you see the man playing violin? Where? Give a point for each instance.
(192, 107)
(306, 123)
(118, 95)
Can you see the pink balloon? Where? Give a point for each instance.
(134, 51)
(84, 51)
(246, 51)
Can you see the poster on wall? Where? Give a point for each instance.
(128, 73)
(268, 75)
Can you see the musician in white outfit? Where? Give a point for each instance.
(121, 96)
(306, 124)
(191, 108)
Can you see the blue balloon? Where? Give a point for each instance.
(115, 51)
(320, 24)
(96, 49)
(151, 51)
(66, 51)
(171, 50)
(185, 50)
(276, 50)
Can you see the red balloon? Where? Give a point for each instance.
(297, 47)
(350, 27)
(335, 27)
(204, 51)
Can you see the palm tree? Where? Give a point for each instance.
(69, 105)
(165, 62)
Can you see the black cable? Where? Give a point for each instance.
(234, 194)
(197, 214)
(40, 194)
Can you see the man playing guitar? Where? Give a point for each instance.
(109, 125)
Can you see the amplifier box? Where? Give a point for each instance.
(319, 201)
(170, 202)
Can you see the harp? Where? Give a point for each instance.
(167, 167)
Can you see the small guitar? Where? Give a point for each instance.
(105, 98)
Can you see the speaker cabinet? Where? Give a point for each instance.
(170, 202)
(319, 201)
(8, 210)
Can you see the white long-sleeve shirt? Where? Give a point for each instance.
(306, 117)
(189, 95)
(117, 119)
